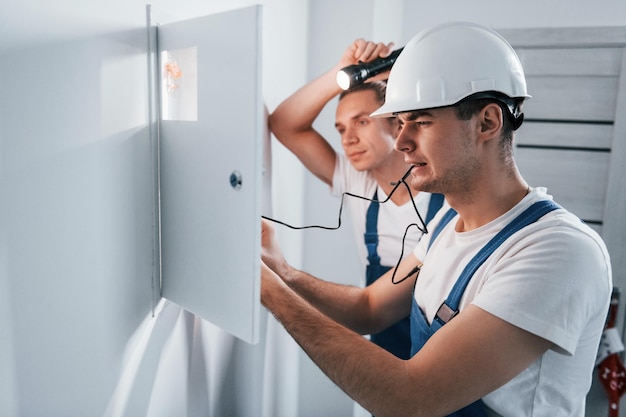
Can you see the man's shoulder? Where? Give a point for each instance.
(347, 179)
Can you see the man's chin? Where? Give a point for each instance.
(418, 185)
(360, 166)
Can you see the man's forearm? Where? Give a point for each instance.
(341, 354)
(298, 112)
(343, 303)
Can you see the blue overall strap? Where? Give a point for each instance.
(450, 307)
(371, 231)
(442, 223)
(434, 204)
(395, 339)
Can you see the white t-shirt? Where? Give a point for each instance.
(552, 278)
(392, 219)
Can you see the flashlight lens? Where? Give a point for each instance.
(343, 80)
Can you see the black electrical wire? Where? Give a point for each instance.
(421, 228)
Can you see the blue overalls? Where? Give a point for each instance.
(421, 331)
(396, 338)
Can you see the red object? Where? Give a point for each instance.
(611, 369)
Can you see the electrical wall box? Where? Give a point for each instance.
(208, 129)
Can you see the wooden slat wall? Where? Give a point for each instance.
(574, 138)
(577, 179)
(574, 93)
(567, 140)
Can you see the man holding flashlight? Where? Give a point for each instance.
(369, 167)
(511, 291)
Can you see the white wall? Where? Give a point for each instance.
(77, 218)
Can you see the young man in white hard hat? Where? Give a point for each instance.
(511, 291)
(369, 167)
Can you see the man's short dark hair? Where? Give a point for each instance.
(378, 87)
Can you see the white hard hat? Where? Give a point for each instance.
(445, 64)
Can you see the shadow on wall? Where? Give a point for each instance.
(179, 364)
(169, 369)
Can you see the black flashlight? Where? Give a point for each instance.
(356, 74)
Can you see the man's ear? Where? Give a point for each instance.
(491, 120)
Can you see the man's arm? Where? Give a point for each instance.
(472, 355)
(292, 121)
(364, 310)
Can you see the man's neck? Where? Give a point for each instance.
(488, 203)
